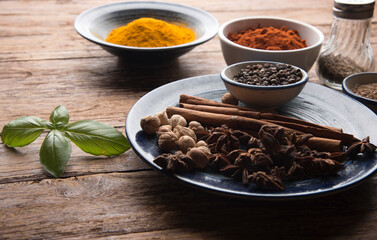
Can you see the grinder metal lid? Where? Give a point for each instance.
(353, 9)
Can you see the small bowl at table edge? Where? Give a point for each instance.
(358, 79)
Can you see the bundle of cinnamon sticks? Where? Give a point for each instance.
(212, 113)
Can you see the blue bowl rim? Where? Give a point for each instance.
(226, 39)
(304, 79)
(348, 91)
(154, 3)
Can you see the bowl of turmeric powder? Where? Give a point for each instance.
(146, 32)
(270, 39)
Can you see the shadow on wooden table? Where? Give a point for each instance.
(140, 78)
(340, 214)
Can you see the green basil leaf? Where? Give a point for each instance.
(59, 117)
(55, 152)
(97, 138)
(23, 131)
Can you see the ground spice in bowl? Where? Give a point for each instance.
(269, 38)
(150, 32)
(368, 90)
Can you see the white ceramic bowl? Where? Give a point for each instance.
(261, 96)
(96, 23)
(358, 79)
(303, 58)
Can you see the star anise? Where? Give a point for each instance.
(243, 163)
(278, 172)
(303, 150)
(262, 161)
(268, 140)
(338, 156)
(244, 137)
(177, 162)
(298, 140)
(266, 181)
(363, 146)
(278, 154)
(296, 172)
(282, 155)
(241, 166)
(286, 137)
(254, 143)
(233, 155)
(224, 140)
(319, 166)
(218, 161)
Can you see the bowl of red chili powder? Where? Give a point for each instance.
(270, 39)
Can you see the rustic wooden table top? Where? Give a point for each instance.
(45, 63)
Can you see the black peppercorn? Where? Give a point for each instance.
(268, 74)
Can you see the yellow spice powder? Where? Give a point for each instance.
(150, 32)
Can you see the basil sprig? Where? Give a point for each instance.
(90, 136)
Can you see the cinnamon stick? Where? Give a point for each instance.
(215, 119)
(268, 117)
(239, 122)
(324, 144)
(303, 127)
(202, 101)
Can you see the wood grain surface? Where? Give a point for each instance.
(45, 63)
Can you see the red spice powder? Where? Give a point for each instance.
(269, 38)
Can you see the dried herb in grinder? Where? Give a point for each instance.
(337, 68)
(348, 49)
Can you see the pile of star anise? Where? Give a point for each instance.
(275, 156)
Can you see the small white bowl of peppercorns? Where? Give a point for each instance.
(270, 39)
(363, 88)
(264, 84)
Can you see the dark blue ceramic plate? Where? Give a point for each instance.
(315, 103)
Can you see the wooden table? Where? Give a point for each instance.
(45, 63)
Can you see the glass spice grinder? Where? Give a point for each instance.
(347, 50)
